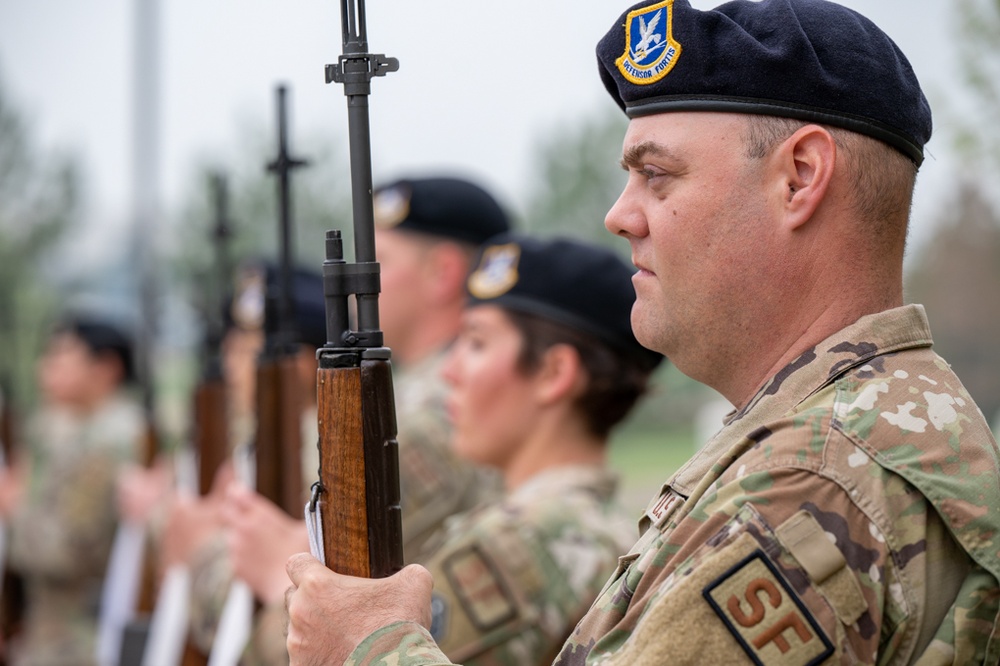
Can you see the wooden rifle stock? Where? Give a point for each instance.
(359, 466)
(279, 433)
(211, 432)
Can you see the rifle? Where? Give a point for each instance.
(278, 438)
(357, 495)
(211, 428)
(168, 642)
(279, 394)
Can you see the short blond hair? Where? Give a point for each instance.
(882, 177)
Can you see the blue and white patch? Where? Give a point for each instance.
(439, 617)
(496, 273)
(391, 206)
(650, 48)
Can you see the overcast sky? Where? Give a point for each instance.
(479, 82)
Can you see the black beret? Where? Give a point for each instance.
(446, 207)
(256, 280)
(811, 60)
(582, 286)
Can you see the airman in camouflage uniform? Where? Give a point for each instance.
(63, 526)
(849, 509)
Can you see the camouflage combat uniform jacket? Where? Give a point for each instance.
(61, 534)
(850, 513)
(514, 577)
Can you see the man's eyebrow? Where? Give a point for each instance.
(633, 156)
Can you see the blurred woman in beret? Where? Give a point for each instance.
(544, 367)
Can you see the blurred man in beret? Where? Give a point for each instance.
(60, 499)
(848, 509)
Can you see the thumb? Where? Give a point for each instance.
(301, 565)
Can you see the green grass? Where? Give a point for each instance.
(647, 458)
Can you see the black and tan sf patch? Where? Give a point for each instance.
(765, 615)
(480, 590)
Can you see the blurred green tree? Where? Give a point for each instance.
(956, 276)
(577, 179)
(39, 201)
(320, 201)
(977, 28)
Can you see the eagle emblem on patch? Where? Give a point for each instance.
(650, 48)
(391, 206)
(496, 273)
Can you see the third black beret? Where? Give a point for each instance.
(812, 60)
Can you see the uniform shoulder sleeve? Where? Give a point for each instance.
(777, 567)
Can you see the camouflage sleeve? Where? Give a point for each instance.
(399, 644)
(65, 528)
(776, 566)
(267, 638)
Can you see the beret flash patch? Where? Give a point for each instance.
(650, 49)
(391, 206)
(496, 273)
(765, 616)
(247, 309)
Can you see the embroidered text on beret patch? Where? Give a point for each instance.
(650, 49)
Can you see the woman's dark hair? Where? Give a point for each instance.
(616, 379)
(102, 339)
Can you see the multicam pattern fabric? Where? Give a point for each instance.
(62, 533)
(514, 577)
(867, 443)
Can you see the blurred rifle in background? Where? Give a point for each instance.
(168, 643)
(279, 402)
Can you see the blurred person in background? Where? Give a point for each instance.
(61, 503)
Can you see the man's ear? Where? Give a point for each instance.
(806, 163)
(560, 375)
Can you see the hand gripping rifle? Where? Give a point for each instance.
(358, 490)
(279, 396)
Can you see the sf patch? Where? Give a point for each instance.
(765, 615)
(650, 48)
